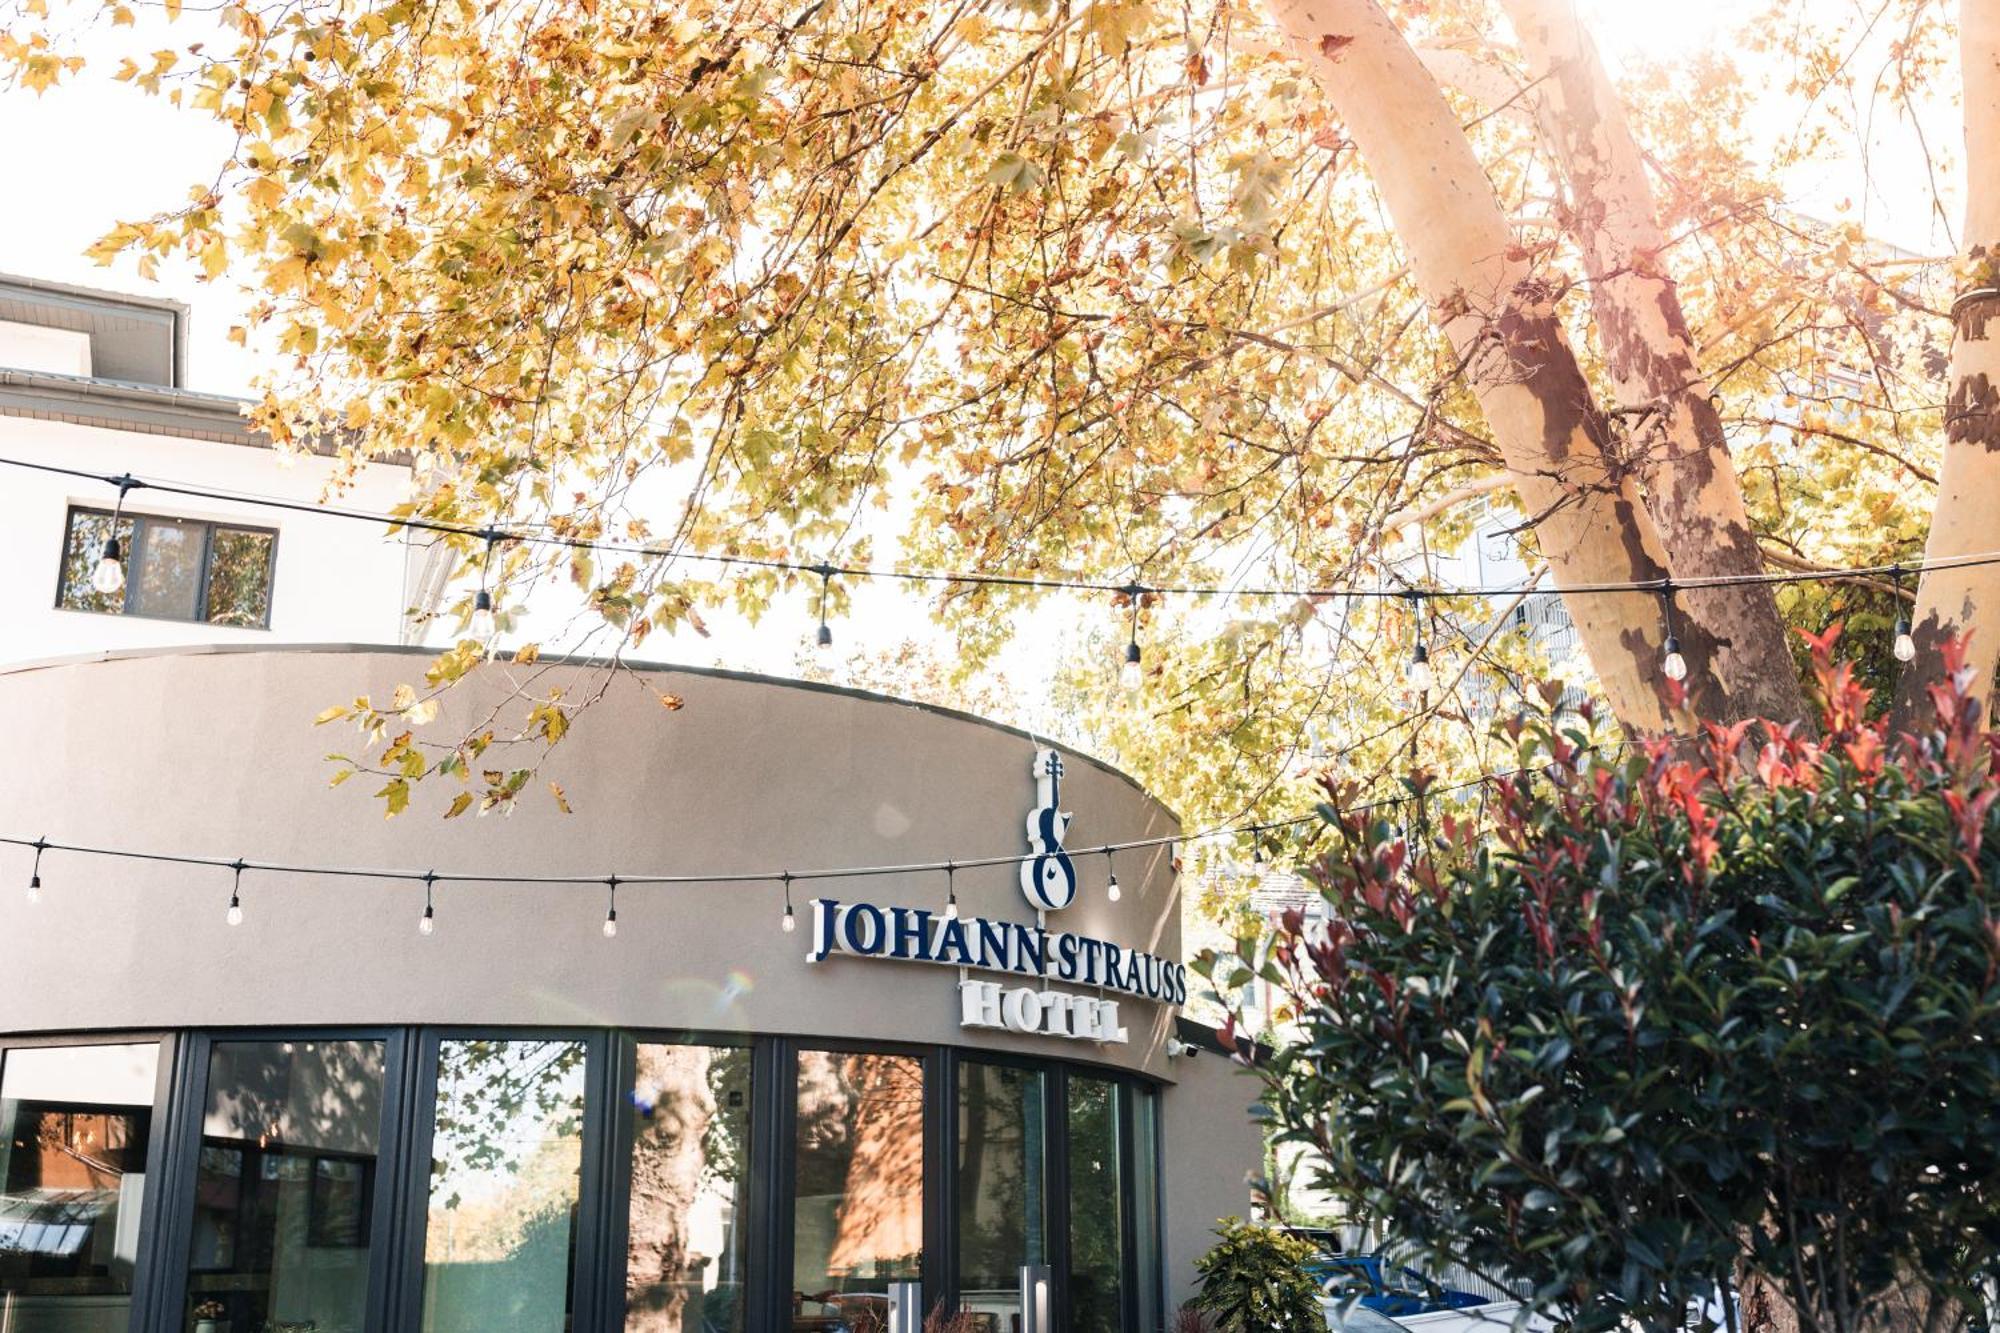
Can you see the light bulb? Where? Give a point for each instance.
(1131, 676)
(484, 625)
(1906, 647)
(34, 890)
(611, 924)
(427, 923)
(951, 910)
(791, 922)
(1112, 891)
(1674, 667)
(234, 916)
(109, 575)
(823, 642)
(1418, 673)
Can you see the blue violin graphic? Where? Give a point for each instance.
(1048, 877)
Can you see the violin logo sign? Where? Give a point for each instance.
(1033, 952)
(1048, 876)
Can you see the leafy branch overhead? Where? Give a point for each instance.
(1142, 292)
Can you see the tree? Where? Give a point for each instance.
(1670, 1022)
(1953, 599)
(1099, 288)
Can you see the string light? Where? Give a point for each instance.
(1111, 890)
(427, 923)
(1905, 648)
(108, 577)
(950, 892)
(35, 875)
(611, 908)
(791, 922)
(1672, 665)
(1026, 582)
(485, 625)
(234, 916)
(1418, 674)
(823, 641)
(1131, 676)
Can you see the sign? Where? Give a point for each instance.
(1048, 876)
(1011, 948)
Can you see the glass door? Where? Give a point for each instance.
(1001, 1165)
(857, 1188)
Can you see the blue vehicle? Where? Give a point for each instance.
(1374, 1284)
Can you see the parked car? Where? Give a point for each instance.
(1394, 1290)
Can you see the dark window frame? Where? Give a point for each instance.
(399, 1208)
(146, 1270)
(140, 521)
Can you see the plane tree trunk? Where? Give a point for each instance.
(1675, 442)
(1500, 316)
(1962, 602)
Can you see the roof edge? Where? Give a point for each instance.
(585, 660)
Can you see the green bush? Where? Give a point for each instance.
(1647, 1024)
(1255, 1281)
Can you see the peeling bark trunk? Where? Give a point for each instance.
(1962, 602)
(668, 1159)
(1588, 519)
(1676, 447)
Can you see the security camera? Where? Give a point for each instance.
(1176, 1048)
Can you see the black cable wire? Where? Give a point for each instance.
(1064, 582)
(432, 877)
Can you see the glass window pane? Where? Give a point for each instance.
(81, 549)
(74, 1128)
(506, 1153)
(858, 1217)
(690, 1109)
(239, 578)
(1096, 1233)
(1002, 1142)
(165, 568)
(285, 1185)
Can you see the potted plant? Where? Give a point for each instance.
(208, 1317)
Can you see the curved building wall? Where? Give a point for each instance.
(213, 752)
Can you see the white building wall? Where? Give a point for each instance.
(336, 580)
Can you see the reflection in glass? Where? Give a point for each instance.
(88, 530)
(858, 1222)
(74, 1123)
(1096, 1234)
(506, 1152)
(239, 578)
(690, 1112)
(284, 1186)
(167, 579)
(1001, 1150)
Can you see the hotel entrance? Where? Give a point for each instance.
(542, 1182)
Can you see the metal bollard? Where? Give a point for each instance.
(906, 1307)
(1037, 1316)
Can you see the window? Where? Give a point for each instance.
(505, 1180)
(75, 1131)
(1002, 1151)
(858, 1211)
(1096, 1207)
(688, 1207)
(285, 1184)
(175, 569)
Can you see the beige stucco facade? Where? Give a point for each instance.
(212, 752)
